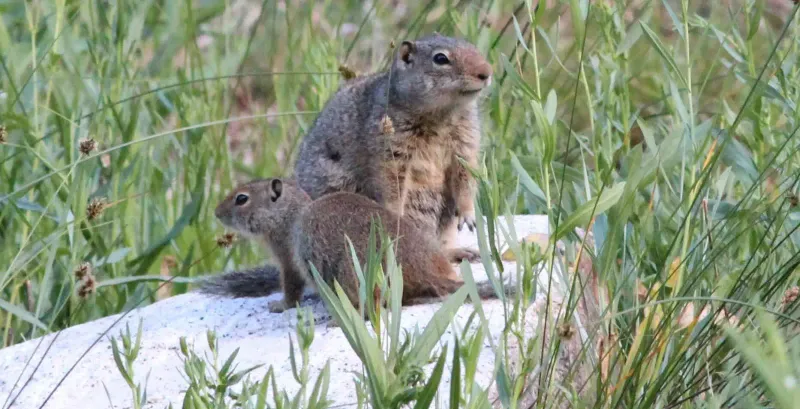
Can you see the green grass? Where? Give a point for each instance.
(666, 128)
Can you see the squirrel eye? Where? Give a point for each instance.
(440, 59)
(241, 199)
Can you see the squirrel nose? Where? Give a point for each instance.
(484, 72)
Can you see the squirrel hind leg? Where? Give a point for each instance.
(293, 285)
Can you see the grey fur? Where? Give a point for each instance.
(412, 169)
(255, 282)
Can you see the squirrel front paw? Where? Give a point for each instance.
(459, 254)
(277, 306)
(468, 220)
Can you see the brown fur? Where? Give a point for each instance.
(409, 167)
(300, 231)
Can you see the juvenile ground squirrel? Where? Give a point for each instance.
(406, 162)
(300, 230)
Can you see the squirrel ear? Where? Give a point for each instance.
(277, 189)
(406, 49)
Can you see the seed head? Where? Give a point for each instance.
(95, 208)
(87, 287)
(86, 146)
(392, 45)
(347, 72)
(387, 127)
(566, 331)
(3, 134)
(789, 297)
(83, 270)
(226, 240)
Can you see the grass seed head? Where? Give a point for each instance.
(347, 72)
(226, 240)
(3, 134)
(87, 287)
(86, 146)
(87, 284)
(789, 297)
(83, 270)
(95, 208)
(566, 331)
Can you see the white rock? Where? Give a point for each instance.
(239, 323)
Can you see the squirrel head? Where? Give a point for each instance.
(439, 73)
(262, 207)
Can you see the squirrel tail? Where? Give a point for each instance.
(255, 282)
(487, 291)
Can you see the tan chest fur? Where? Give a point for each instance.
(415, 163)
(419, 160)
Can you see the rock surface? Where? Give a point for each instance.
(262, 337)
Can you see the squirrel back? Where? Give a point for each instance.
(321, 237)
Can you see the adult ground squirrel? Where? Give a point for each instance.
(395, 136)
(300, 230)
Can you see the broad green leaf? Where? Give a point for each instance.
(70, 222)
(550, 106)
(631, 37)
(583, 214)
(437, 326)
(113, 258)
(676, 22)
(755, 19)
(354, 329)
(511, 71)
(736, 155)
(502, 382)
(518, 32)
(319, 394)
(455, 378)
(396, 279)
(22, 314)
(683, 113)
(762, 88)
(663, 52)
(545, 131)
(526, 180)
(425, 397)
